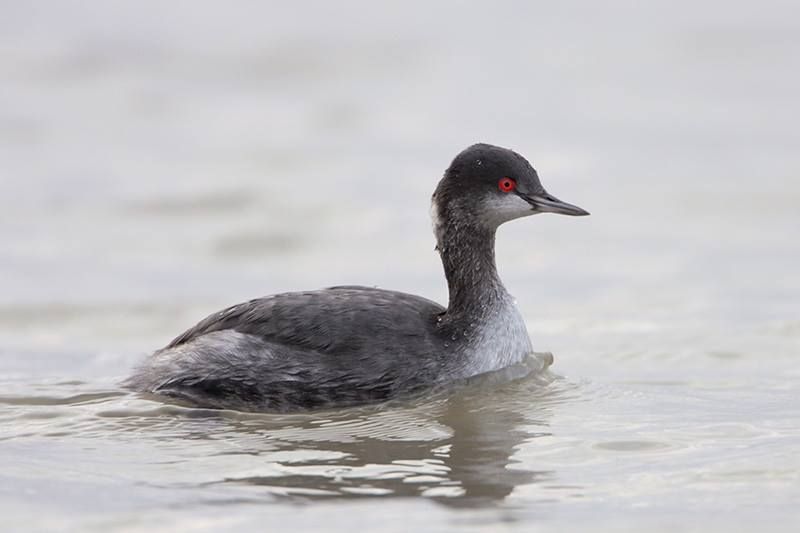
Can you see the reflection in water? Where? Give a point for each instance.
(456, 448)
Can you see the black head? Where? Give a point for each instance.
(488, 185)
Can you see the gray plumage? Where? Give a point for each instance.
(352, 345)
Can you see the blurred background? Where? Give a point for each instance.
(160, 160)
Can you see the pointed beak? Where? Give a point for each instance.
(547, 203)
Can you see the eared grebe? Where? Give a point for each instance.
(353, 345)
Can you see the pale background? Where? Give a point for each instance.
(159, 160)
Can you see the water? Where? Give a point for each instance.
(160, 162)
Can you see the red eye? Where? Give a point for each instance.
(506, 184)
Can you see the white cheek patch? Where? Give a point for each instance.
(499, 209)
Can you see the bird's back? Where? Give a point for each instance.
(337, 346)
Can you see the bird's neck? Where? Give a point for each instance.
(481, 316)
(467, 252)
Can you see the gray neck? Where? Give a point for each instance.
(481, 315)
(467, 252)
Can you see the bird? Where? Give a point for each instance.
(354, 345)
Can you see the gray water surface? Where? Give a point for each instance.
(161, 161)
